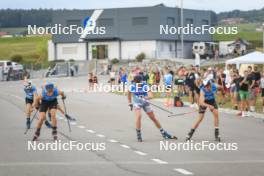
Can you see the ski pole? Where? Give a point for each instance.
(68, 121)
(163, 109)
(34, 116)
(180, 114)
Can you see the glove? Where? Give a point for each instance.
(131, 106)
(63, 97)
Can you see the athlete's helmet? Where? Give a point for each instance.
(49, 86)
(28, 85)
(138, 79)
(206, 82)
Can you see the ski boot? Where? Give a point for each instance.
(190, 134)
(37, 134)
(139, 137)
(166, 135)
(217, 136)
(70, 118)
(54, 133)
(28, 123)
(48, 125)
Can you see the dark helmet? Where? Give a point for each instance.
(49, 86)
(138, 79)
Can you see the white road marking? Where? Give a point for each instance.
(17, 97)
(125, 146)
(100, 135)
(112, 140)
(90, 131)
(81, 126)
(183, 171)
(73, 123)
(159, 161)
(140, 153)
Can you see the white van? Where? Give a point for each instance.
(17, 66)
(6, 65)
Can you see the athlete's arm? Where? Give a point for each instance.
(37, 101)
(62, 94)
(129, 97)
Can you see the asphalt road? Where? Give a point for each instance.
(104, 118)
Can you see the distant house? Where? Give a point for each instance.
(129, 32)
(230, 21)
(3, 34)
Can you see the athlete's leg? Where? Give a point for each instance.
(216, 124)
(28, 114)
(164, 133)
(42, 118)
(138, 124)
(54, 123)
(151, 115)
(60, 109)
(197, 123)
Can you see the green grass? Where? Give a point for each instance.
(250, 36)
(32, 49)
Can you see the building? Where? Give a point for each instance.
(128, 32)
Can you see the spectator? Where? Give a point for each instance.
(252, 89)
(244, 85)
(262, 90)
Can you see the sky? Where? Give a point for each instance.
(215, 5)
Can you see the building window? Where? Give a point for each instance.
(73, 22)
(171, 47)
(69, 50)
(188, 21)
(170, 21)
(139, 21)
(205, 22)
(105, 22)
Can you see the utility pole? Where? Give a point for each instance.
(182, 23)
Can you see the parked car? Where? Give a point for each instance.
(6, 65)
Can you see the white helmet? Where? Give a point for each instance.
(28, 85)
(206, 82)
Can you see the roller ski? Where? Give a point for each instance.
(217, 136)
(139, 136)
(190, 134)
(166, 135)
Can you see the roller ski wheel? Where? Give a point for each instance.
(166, 135)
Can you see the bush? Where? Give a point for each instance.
(17, 58)
(140, 57)
(115, 61)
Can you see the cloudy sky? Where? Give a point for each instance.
(215, 5)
